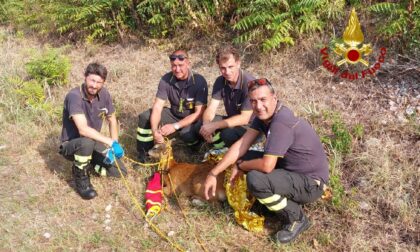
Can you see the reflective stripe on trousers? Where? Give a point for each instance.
(218, 141)
(274, 203)
(144, 135)
(81, 161)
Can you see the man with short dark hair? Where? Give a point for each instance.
(187, 94)
(291, 172)
(85, 109)
(223, 131)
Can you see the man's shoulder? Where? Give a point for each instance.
(167, 77)
(104, 93)
(219, 80)
(285, 116)
(199, 79)
(247, 75)
(74, 93)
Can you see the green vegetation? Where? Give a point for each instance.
(373, 165)
(274, 23)
(27, 98)
(372, 154)
(50, 67)
(401, 22)
(339, 138)
(266, 24)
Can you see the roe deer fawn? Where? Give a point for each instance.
(187, 179)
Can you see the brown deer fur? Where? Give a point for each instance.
(187, 179)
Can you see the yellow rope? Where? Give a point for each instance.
(184, 214)
(137, 205)
(163, 165)
(142, 164)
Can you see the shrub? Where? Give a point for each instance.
(49, 67)
(30, 93)
(30, 96)
(276, 22)
(340, 139)
(400, 22)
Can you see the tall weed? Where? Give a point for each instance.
(50, 67)
(400, 22)
(273, 23)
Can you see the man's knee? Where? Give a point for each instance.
(276, 181)
(189, 136)
(144, 132)
(144, 119)
(230, 135)
(257, 182)
(86, 147)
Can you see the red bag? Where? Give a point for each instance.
(154, 196)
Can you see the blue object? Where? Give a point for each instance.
(117, 149)
(109, 157)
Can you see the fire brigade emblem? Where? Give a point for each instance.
(353, 50)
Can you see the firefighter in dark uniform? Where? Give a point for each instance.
(291, 172)
(85, 109)
(223, 131)
(187, 94)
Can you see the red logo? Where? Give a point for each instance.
(352, 52)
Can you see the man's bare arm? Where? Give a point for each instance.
(89, 132)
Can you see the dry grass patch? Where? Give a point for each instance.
(379, 204)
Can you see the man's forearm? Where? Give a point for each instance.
(95, 135)
(190, 119)
(234, 152)
(236, 120)
(208, 115)
(155, 119)
(113, 127)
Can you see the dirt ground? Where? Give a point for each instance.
(39, 209)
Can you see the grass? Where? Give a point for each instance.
(376, 181)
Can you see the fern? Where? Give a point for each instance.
(30, 93)
(279, 22)
(400, 21)
(49, 67)
(384, 8)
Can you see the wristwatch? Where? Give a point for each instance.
(176, 126)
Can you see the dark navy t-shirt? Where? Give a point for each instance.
(235, 100)
(183, 95)
(76, 102)
(296, 144)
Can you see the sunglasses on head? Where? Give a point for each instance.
(258, 82)
(181, 57)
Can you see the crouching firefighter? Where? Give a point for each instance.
(293, 168)
(85, 109)
(187, 93)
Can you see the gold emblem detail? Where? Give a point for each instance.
(353, 37)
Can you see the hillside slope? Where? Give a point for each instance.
(378, 180)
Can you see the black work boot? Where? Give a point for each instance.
(113, 171)
(290, 231)
(83, 186)
(143, 158)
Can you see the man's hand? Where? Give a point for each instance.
(109, 157)
(117, 149)
(207, 130)
(157, 137)
(236, 174)
(210, 186)
(167, 129)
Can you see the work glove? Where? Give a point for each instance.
(117, 149)
(109, 157)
